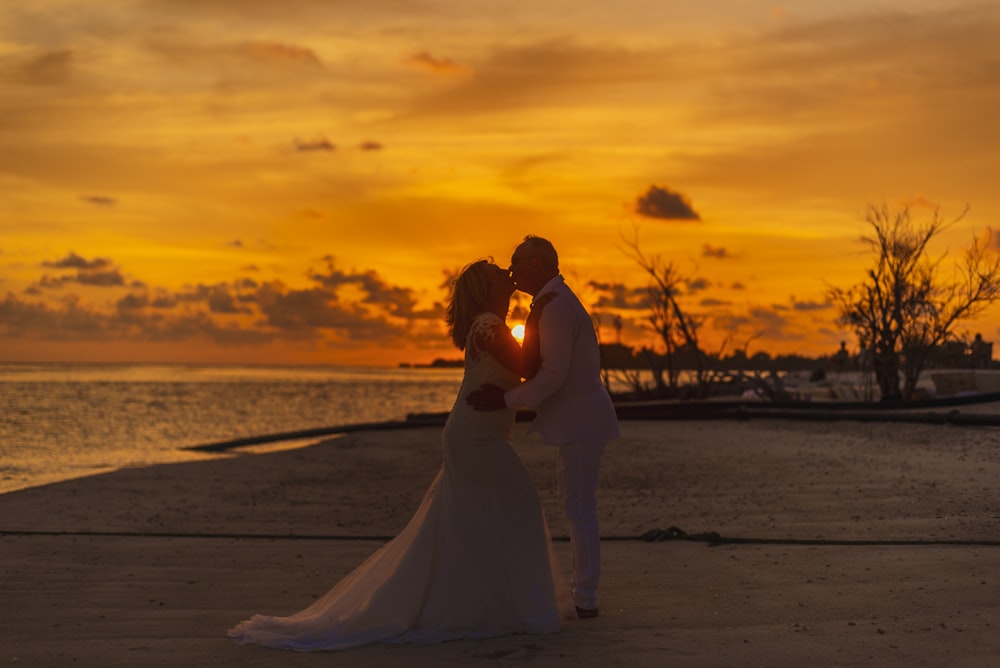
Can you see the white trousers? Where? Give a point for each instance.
(578, 468)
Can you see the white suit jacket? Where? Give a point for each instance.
(567, 394)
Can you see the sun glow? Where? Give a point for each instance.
(244, 223)
(518, 332)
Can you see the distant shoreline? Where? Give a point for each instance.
(436, 364)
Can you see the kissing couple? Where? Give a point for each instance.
(476, 560)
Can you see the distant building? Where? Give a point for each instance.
(959, 355)
(981, 352)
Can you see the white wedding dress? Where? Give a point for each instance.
(475, 561)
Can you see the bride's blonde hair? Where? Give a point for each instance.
(470, 296)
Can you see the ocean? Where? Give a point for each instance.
(63, 421)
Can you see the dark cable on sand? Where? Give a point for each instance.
(711, 538)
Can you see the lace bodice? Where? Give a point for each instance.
(480, 362)
(480, 368)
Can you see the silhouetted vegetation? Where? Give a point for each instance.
(904, 310)
(676, 327)
(699, 375)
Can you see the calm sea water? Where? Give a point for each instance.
(63, 421)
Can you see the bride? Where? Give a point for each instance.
(476, 559)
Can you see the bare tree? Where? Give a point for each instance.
(677, 329)
(904, 308)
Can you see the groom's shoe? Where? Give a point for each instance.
(585, 613)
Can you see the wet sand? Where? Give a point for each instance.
(868, 544)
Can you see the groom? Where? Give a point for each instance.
(574, 411)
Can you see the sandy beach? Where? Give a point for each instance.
(862, 544)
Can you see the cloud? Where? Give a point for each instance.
(370, 146)
(619, 296)
(291, 12)
(225, 70)
(307, 311)
(771, 324)
(439, 66)
(720, 253)
(163, 301)
(281, 54)
(48, 69)
(132, 302)
(99, 200)
(66, 322)
(825, 67)
(850, 107)
(221, 300)
(99, 272)
(551, 74)
(774, 324)
(340, 308)
(47, 281)
(160, 299)
(74, 261)
(697, 285)
(397, 301)
(318, 144)
(810, 305)
(732, 322)
(109, 278)
(136, 322)
(665, 204)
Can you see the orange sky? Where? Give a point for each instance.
(249, 181)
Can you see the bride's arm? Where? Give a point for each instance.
(525, 359)
(503, 346)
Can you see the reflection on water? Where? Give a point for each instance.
(67, 420)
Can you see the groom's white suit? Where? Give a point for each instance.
(574, 413)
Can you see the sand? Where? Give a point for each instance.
(866, 544)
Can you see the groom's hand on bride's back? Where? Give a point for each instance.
(489, 397)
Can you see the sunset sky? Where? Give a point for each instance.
(295, 182)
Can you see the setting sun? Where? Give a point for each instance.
(518, 332)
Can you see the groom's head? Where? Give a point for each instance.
(533, 263)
